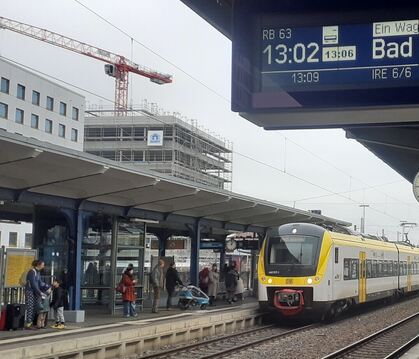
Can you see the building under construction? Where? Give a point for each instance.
(160, 141)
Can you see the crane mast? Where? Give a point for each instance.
(116, 66)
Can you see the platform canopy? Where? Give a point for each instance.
(35, 172)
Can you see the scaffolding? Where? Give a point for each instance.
(187, 151)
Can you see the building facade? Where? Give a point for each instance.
(160, 142)
(16, 235)
(33, 106)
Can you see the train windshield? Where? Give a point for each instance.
(293, 249)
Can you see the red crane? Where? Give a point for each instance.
(116, 65)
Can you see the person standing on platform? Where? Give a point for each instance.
(172, 280)
(34, 288)
(59, 301)
(156, 280)
(213, 280)
(239, 289)
(129, 296)
(203, 279)
(231, 279)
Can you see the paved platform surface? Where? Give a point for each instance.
(412, 353)
(100, 322)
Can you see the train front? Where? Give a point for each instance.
(291, 267)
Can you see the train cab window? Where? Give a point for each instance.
(369, 268)
(354, 268)
(294, 250)
(374, 269)
(336, 255)
(346, 264)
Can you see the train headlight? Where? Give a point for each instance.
(309, 280)
(270, 280)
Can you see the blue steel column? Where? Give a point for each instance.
(195, 240)
(77, 270)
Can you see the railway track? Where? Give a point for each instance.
(390, 342)
(225, 345)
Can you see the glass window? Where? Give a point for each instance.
(13, 239)
(374, 269)
(34, 121)
(390, 268)
(109, 132)
(48, 126)
(138, 156)
(3, 110)
(346, 265)
(28, 240)
(293, 249)
(75, 114)
(74, 134)
(36, 96)
(19, 116)
(354, 268)
(5, 85)
(61, 130)
(20, 92)
(109, 155)
(369, 268)
(139, 131)
(93, 132)
(63, 108)
(396, 268)
(50, 103)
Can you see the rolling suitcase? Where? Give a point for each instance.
(15, 316)
(3, 319)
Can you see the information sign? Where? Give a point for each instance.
(18, 262)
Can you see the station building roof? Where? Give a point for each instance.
(41, 173)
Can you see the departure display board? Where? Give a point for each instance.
(352, 56)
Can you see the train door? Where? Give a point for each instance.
(409, 274)
(362, 280)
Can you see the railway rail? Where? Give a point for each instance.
(388, 343)
(225, 345)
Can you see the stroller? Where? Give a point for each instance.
(192, 296)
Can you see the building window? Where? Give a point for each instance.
(48, 126)
(36, 96)
(63, 109)
(13, 239)
(74, 134)
(20, 92)
(50, 103)
(75, 114)
(19, 116)
(34, 121)
(28, 240)
(61, 131)
(3, 110)
(5, 84)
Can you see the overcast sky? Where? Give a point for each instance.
(323, 157)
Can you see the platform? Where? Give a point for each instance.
(111, 336)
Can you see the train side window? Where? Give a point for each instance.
(390, 268)
(374, 269)
(346, 262)
(380, 269)
(396, 268)
(369, 268)
(336, 255)
(354, 268)
(405, 268)
(385, 269)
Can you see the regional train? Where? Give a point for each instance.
(308, 270)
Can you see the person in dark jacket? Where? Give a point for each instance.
(172, 280)
(231, 279)
(59, 300)
(35, 291)
(129, 296)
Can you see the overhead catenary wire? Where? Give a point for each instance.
(148, 48)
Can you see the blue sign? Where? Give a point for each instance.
(211, 245)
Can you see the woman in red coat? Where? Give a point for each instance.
(129, 295)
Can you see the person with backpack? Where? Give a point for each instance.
(59, 301)
(128, 295)
(35, 291)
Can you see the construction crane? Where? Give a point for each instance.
(116, 66)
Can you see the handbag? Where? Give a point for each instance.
(120, 288)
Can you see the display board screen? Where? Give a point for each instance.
(372, 55)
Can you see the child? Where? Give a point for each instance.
(43, 308)
(59, 300)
